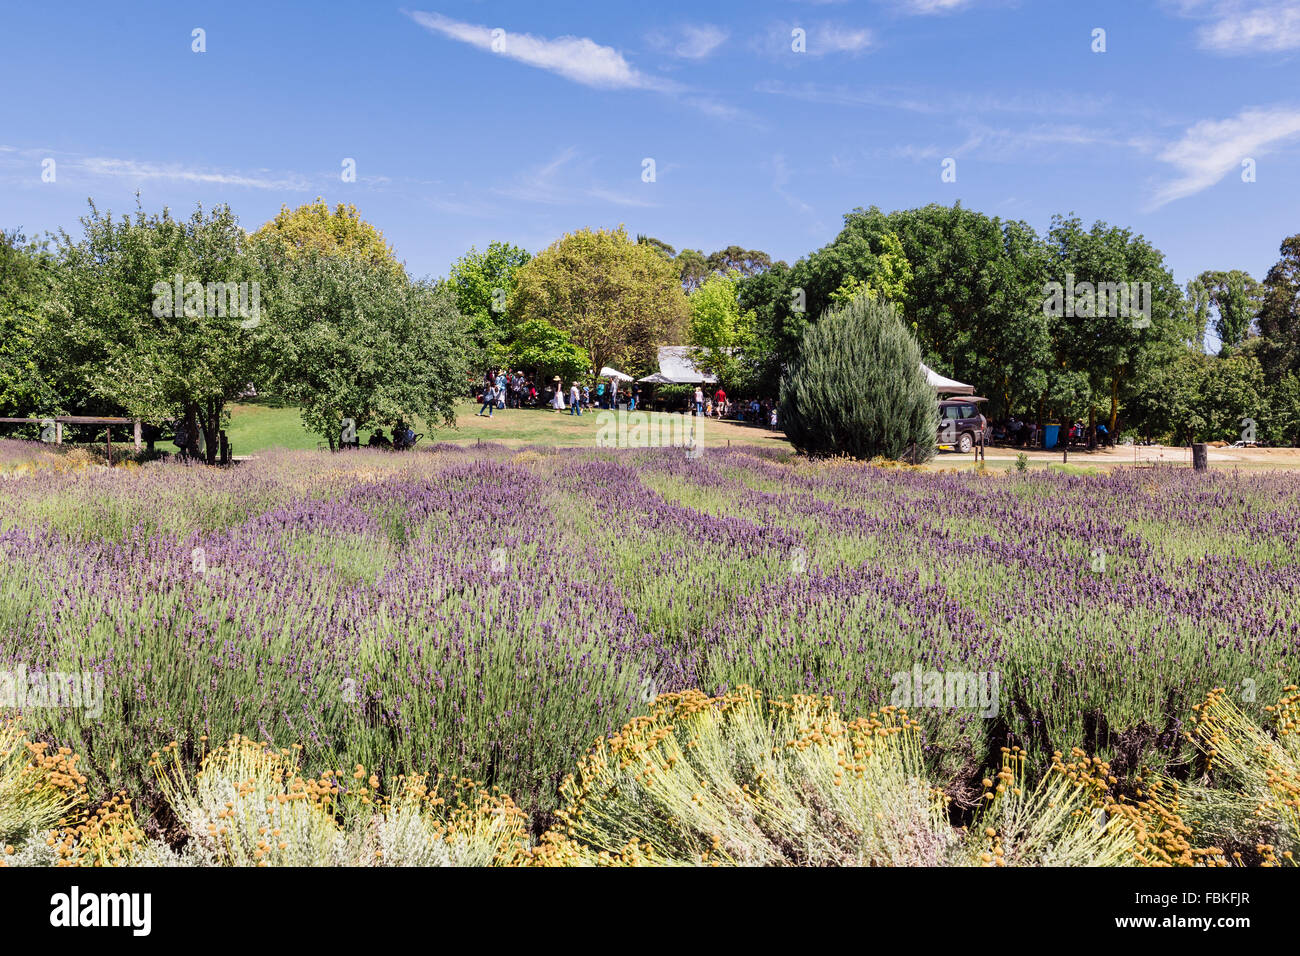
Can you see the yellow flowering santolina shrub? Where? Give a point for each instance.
(1247, 791)
(39, 788)
(740, 780)
(1072, 818)
(731, 780)
(249, 806)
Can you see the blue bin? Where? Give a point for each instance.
(1050, 435)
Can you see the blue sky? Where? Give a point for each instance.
(457, 144)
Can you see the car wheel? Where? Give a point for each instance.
(965, 443)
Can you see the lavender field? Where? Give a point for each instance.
(489, 612)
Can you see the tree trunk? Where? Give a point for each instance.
(211, 426)
(1114, 402)
(191, 427)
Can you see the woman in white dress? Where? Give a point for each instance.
(557, 401)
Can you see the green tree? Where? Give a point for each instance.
(354, 340)
(1279, 312)
(482, 283)
(315, 229)
(546, 351)
(667, 251)
(1281, 422)
(976, 305)
(1166, 405)
(856, 387)
(866, 256)
(1092, 333)
(777, 327)
(720, 328)
(159, 316)
(747, 262)
(617, 299)
(27, 373)
(692, 267)
(1232, 389)
(1233, 298)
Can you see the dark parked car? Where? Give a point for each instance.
(961, 424)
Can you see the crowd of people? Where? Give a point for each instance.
(719, 405)
(502, 389)
(1029, 434)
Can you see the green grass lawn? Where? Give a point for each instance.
(266, 423)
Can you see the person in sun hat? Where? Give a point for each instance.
(557, 400)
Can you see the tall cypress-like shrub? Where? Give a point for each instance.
(856, 387)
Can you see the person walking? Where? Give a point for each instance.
(699, 401)
(489, 401)
(557, 399)
(636, 393)
(575, 400)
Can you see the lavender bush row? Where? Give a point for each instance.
(487, 612)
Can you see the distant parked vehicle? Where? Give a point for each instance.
(960, 424)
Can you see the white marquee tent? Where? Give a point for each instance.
(941, 383)
(677, 367)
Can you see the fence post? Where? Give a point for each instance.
(1200, 457)
(58, 433)
(137, 436)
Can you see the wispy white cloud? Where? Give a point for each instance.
(781, 177)
(820, 39)
(905, 6)
(1245, 26)
(926, 7)
(567, 180)
(917, 100)
(690, 42)
(839, 39)
(177, 172)
(579, 59)
(584, 61)
(140, 171)
(1211, 149)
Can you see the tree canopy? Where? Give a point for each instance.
(159, 315)
(482, 283)
(314, 228)
(617, 299)
(355, 341)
